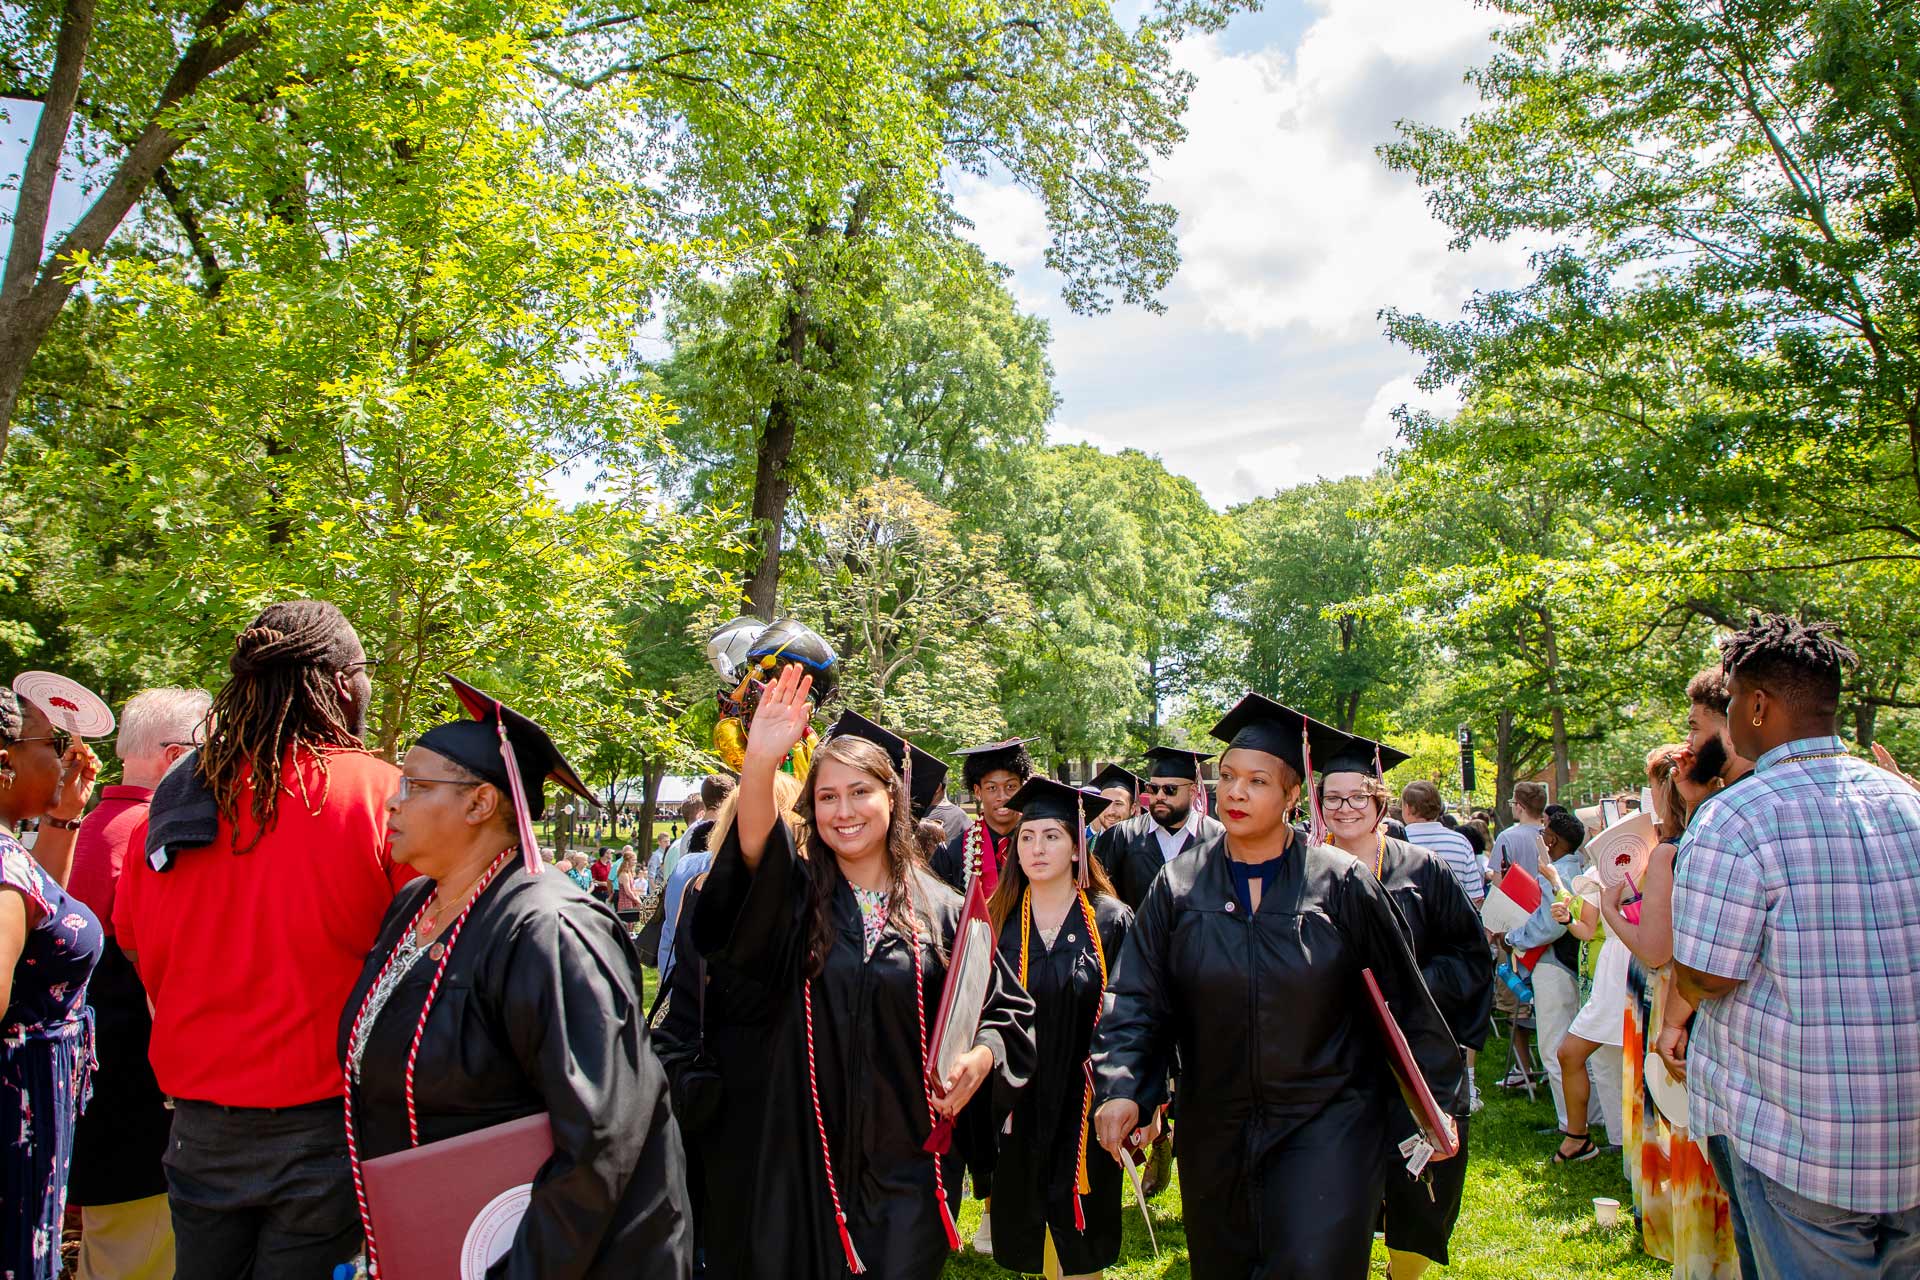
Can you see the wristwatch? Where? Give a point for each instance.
(64, 824)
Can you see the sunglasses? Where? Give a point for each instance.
(60, 738)
(1163, 788)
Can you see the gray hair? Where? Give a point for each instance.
(154, 717)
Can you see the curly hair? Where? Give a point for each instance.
(281, 698)
(1801, 663)
(902, 855)
(975, 768)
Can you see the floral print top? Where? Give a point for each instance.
(873, 914)
(63, 944)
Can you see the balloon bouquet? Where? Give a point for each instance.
(748, 655)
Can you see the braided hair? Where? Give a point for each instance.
(281, 698)
(1801, 663)
(13, 714)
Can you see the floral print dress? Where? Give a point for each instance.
(46, 1061)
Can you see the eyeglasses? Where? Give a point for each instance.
(1333, 803)
(363, 662)
(60, 738)
(1163, 788)
(409, 784)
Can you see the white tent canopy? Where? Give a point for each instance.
(631, 793)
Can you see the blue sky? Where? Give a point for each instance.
(1269, 367)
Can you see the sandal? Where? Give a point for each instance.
(1584, 1152)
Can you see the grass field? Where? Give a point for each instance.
(1522, 1219)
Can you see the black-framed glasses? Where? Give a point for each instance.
(1163, 788)
(60, 738)
(408, 784)
(1356, 803)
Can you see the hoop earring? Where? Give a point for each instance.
(6, 774)
(1756, 722)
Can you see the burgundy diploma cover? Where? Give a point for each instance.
(969, 974)
(1434, 1124)
(446, 1210)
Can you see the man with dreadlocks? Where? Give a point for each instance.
(1794, 900)
(265, 876)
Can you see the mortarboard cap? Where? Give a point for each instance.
(1175, 762)
(1360, 755)
(508, 750)
(1042, 797)
(1258, 723)
(1114, 776)
(928, 774)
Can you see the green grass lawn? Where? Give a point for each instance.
(1523, 1219)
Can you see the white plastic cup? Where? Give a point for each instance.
(1606, 1211)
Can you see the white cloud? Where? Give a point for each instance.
(1269, 367)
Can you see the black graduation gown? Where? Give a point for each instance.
(1130, 851)
(539, 1010)
(754, 930)
(949, 861)
(123, 1133)
(723, 1158)
(976, 1133)
(1039, 1151)
(1451, 945)
(1285, 1096)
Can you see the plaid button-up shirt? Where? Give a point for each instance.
(1803, 882)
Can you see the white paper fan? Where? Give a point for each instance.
(68, 703)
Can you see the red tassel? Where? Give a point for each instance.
(854, 1264)
(940, 1140)
(953, 1232)
(1079, 1216)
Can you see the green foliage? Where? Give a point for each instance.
(916, 608)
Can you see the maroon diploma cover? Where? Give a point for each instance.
(447, 1210)
(969, 974)
(1434, 1124)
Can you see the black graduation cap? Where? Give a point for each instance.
(1258, 723)
(1010, 755)
(1361, 755)
(1114, 776)
(510, 751)
(1175, 762)
(1042, 797)
(929, 773)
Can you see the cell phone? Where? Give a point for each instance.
(1609, 811)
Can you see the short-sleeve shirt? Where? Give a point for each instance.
(248, 957)
(100, 848)
(1804, 883)
(1518, 846)
(1456, 851)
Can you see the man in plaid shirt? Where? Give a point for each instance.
(1795, 904)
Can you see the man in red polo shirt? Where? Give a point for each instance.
(276, 875)
(117, 1179)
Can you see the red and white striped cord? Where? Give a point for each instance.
(413, 1051)
(926, 1079)
(854, 1264)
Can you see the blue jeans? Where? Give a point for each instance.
(1781, 1235)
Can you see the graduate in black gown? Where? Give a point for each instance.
(836, 955)
(1247, 955)
(1121, 789)
(1133, 851)
(993, 773)
(531, 992)
(1451, 946)
(1062, 931)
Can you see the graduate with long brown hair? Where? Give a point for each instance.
(837, 953)
(1061, 927)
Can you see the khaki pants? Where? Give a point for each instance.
(128, 1241)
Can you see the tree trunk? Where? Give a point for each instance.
(1505, 769)
(1865, 717)
(651, 774)
(770, 485)
(1557, 710)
